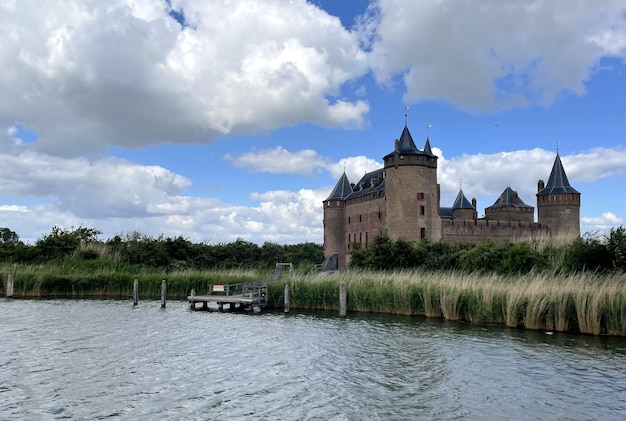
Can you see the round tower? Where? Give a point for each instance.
(411, 191)
(558, 203)
(335, 242)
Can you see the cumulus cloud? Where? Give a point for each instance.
(89, 75)
(103, 188)
(600, 224)
(485, 176)
(279, 160)
(492, 54)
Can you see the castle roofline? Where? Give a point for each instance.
(406, 146)
(461, 202)
(342, 189)
(558, 182)
(509, 198)
(373, 181)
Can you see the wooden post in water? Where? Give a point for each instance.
(163, 293)
(192, 304)
(9, 290)
(342, 300)
(286, 301)
(135, 292)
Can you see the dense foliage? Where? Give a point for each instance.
(135, 249)
(591, 252)
(81, 245)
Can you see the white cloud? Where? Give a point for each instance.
(118, 196)
(103, 188)
(278, 160)
(89, 75)
(492, 54)
(600, 224)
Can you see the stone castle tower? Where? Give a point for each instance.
(402, 200)
(558, 203)
(412, 191)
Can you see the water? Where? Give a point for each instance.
(75, 359)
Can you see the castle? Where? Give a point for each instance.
(402, 200)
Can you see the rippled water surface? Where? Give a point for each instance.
(75, 359)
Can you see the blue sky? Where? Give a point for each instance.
(223, 120)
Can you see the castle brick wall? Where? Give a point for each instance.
(561, 212)
(365, 220)
(526, 214)
(412, 202)
(501, 232)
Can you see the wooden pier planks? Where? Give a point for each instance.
(252, 295)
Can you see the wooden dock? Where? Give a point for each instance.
(249, 296)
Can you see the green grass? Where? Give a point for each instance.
(586, 303)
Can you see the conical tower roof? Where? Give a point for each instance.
(461, 202)
(557, 183)
(342, 189)
(427, 149)
(406, 143)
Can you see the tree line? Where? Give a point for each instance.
(167, 253)
(591, 252)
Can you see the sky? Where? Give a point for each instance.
(219, 120)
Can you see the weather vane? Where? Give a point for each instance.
(406, 109)
(428, 126)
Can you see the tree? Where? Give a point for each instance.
(63, 241)
(616, 248)
(8, 237)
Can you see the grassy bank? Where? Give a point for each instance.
(585, 303)
(50, 281)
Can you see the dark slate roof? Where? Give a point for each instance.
(461, 202)
(405, 143)
(342, 189)
(369, 183)
(427, 149)
(446, 213)
(507, 199)
(557, 183)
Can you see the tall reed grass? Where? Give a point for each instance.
(585, 303)
(46, 281)
(582, 302)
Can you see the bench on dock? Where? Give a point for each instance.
(249, 295)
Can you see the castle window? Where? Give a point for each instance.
(360, 218)
(348, 219)
(422, 233)
(366, 239)
(360, 237)
(420, 196)
(422, 211)
(349, 239)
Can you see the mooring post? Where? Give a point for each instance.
(286, 301)
(192, 304)
(342, 300)
(9, 285)
(163, 293)
(135, 292)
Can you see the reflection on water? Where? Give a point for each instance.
(106, 359)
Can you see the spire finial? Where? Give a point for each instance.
(406, 109)
(428, 126)
(557, 147)
(461, 184)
